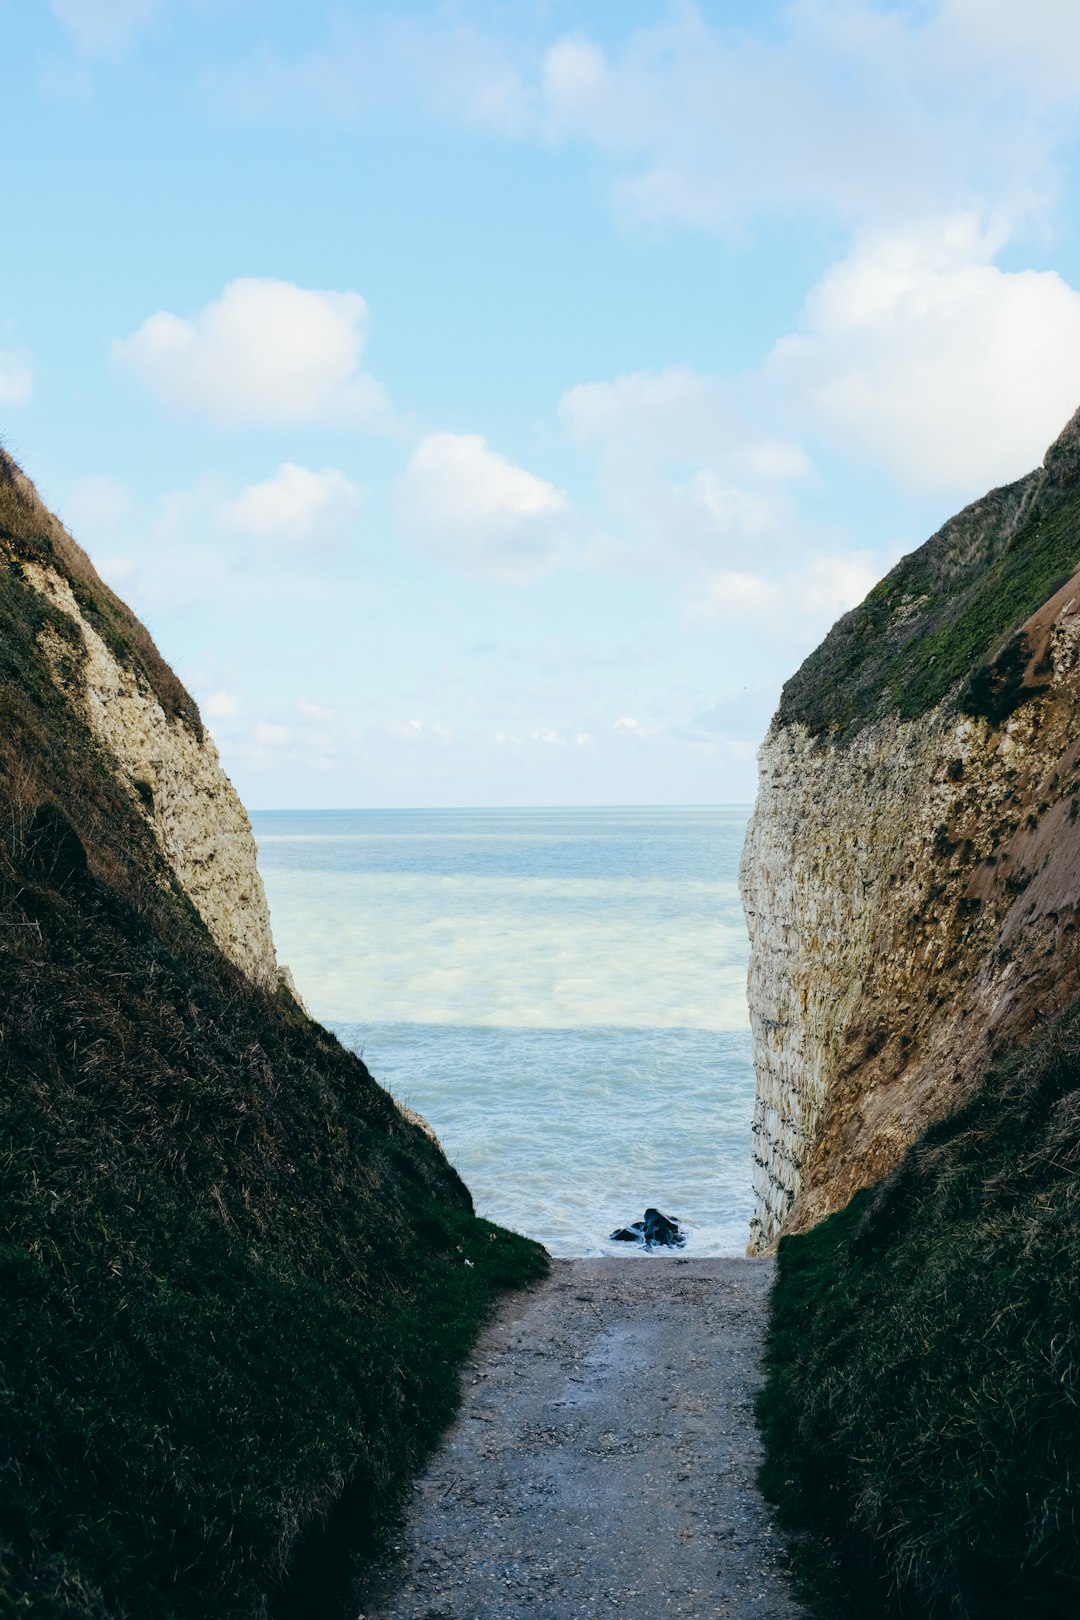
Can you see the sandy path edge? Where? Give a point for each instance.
(604, 1457)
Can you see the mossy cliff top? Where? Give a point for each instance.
(237, 1283)
(29, 532)
(941, 622)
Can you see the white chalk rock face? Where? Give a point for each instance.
(913, 903)
(912, 886)
(176, 780)
(817, 867)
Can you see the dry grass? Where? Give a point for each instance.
(235, 1287)
(922, 1410)
(941, 621)
(33, 534)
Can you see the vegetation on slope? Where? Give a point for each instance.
(922, 1408)
(33, 534)
(941, 616)
(237, 1283)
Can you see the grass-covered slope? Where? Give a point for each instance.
(34, 535)
(922, 1409)
(234, 1279)
(947, 610)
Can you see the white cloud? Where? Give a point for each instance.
(367, 63)
(105, 27)
(573, 69)
(732, 513)
(1038, 41)
(479, 512)
(427, 732)
(673, 414)
(265, 351)
(798, 605)
(221, 706)
(16, 378)
(774, 460)
(308, 745)
(738, 719)
(295, 504)
(186, 554)
(116, 571)
(921, 352)
(855, 109)
(866, 110)
(687, 478)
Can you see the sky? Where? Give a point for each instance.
(493, 403)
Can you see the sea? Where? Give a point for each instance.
(561, 993)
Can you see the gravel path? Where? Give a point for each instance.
(603, 1461)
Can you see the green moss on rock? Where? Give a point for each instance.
(941, 620)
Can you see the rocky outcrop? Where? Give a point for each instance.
(911, 875)
(176, 782)
(148, 728)
(208, 1202)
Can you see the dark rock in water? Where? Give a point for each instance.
(655, 1231)
(662, 1229)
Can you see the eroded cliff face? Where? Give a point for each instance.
(911, 874)
(204, 1197)
(153, 742)
(176, 781)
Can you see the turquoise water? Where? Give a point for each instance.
(560, 992)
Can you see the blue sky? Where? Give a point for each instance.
(493, 403)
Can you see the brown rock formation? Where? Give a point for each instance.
(912, 871)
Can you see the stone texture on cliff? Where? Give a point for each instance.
(237, 1281)
(156, 745)
(176, 780)
(911, 873)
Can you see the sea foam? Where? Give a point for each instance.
(562, 994)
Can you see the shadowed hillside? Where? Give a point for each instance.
(238, 1282)
(913, 884)
(922, 1415)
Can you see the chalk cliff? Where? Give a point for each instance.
(911, 875)
(237, 1280)
(153, 740)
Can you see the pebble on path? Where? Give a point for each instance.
(604, 1458)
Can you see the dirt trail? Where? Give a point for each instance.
(603, 1462)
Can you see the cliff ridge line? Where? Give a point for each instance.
(911, 874)
(166, 760)
(238, 1281)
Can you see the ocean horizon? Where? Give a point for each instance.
(560, 992)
